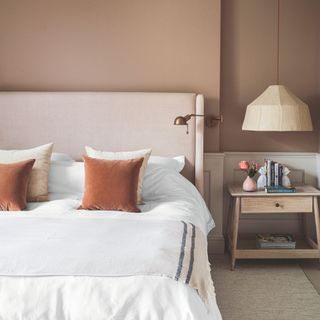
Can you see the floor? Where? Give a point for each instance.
(311, 268)
(267, 289)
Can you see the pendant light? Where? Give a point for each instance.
(277, 108)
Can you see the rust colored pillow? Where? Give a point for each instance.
(14, 179)
(111, 184)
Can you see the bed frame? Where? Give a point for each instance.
(115, 121)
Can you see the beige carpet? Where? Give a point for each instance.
(311, 268)
(264, 290)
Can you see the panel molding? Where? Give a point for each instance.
(318, 168)
(213, 193)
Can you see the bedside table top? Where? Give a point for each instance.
(305, 190)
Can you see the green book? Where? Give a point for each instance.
(280, 189)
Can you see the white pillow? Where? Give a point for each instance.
(177, 163)
(66, 177)
(38, 184)
(145, 153)
(57, 157)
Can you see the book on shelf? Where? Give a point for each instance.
(274, 173)
(275, 241)
(280, 189)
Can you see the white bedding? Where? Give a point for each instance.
(167, 196)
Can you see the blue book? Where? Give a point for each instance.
(276, 174)
(280, 189)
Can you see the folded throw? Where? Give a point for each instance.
(111, 247)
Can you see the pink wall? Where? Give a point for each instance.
(318, 54)
(249, 30)
(143, 45)
(152, 45)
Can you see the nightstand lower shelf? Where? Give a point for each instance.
(246, 249)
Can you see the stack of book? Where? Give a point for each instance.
(280, 189)
(274, 173)
(275, 241)
(274, 178)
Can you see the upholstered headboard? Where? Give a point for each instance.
(114, 121)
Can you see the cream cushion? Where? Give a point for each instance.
(145, 154)
(38, 184)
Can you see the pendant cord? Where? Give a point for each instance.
(278, 40)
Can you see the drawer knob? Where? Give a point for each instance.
(277, 204)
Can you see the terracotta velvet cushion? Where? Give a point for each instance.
(125, 155)
(111, 184)
(14, 179)
(38, 184)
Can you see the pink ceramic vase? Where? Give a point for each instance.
(249, 184)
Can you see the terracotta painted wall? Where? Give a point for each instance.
(248, 51)
(319, 91)
(141, 45)
(169, 45)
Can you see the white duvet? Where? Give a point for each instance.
(167, 196)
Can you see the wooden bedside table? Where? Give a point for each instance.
(305, 200)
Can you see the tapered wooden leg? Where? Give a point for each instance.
(317, 221)
(229, 214)
(304, 230)
(230, 223)
(235, 229)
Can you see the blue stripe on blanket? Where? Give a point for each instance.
(182, 251)
(193, 238)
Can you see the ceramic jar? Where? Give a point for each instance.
(249, 184)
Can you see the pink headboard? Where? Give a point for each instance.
(114, 121)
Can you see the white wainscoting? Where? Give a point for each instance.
(213, 195)
(318, 168)
(221, 170)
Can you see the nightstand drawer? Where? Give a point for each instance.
(276, 204)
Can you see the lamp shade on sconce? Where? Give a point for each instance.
(180, 121)
(277, 109)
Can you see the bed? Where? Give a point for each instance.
(58, 262)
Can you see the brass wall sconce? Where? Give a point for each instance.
(210, 121)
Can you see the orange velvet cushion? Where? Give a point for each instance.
(111, 184)
(14, 179)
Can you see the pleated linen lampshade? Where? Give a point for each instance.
(277, 109)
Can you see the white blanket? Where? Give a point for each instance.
(79, 297)
(109, 248)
